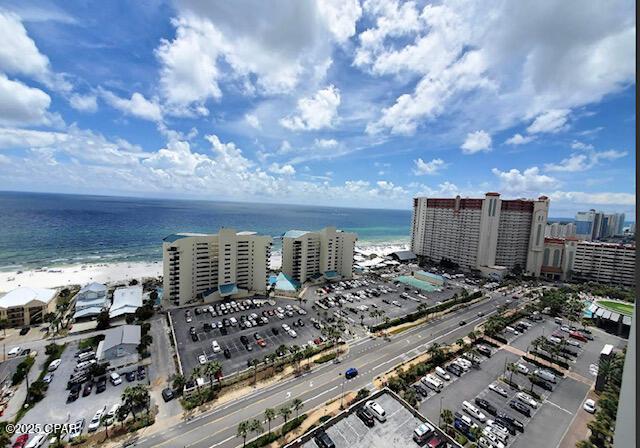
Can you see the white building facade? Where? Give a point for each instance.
(214, 266)
(310, 255)
(486, 234)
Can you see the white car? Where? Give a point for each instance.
(442, 373)
(473, 411)
(565, 329)
(15, 351)
(499, 430)
(76, 429)
(377, 411)
(527, 399)
(522, 369)
(512, 330)
(216, 347)
(554, 339)
(464, 363)
(53, 365)
(115, 378)
(111, 415)
(589, 406)
(499, 390)
(37, 440)
(202, 359)
(94, 424)
(293, 333)
(573, 342)
(285, 327)
(493, 438)
(233, 321)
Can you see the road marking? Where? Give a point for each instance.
(559, 407)
(288, 395)
(223, 441)
(310, 383)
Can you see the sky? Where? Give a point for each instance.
(335, 102)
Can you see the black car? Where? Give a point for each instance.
(366, 416)
(101, 385)
(517, 424)
(73, 393)
(24, 330)
(167, 394)
(192, 330)
(521, 408)
(198, 311)
(486, 351)
(323, 440)
(224, 331)
(227, 353)
(25, 352)
(420, 389)
(244, 340)
(88, 387)
(507, 425)
(453, 368)
(194, 337)
(300, 323)
(142, 373)
(484, 404)
(275, 331)
(226, 322)
(462, 322)
(207, 327)
(131, 376)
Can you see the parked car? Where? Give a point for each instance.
(21, 441)
(377, 411)
(589, 406)
(101, 385)
(484, 350)
(521, 368)
(420, 389)
(115, 378)
(131, 375)
(499, 390)
(53, 365)
(94, 424)
(517, 424)
(521, 408)
(473, 411)
(48, 378)
(365, 415)
(227, 353)
(86, 390)
(323, 440)
(527, 399)
(577, 335)
(484, 404)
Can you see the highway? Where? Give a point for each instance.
(217, 428)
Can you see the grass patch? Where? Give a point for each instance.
(620, 308)
(325, 358)
(91, 342)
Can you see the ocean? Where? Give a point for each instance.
(48, 230)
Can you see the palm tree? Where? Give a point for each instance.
(129, 399)
(460, 342)
(447, 417)
(532, 379)
(212, 369)
(476, 432)
(4, 323)
(106, 422)
(436, 353)
(195, 374)
(297, 405)
(243, 430)
(285, 412)
(177, 382)
(511, 367)
(473, 336)
(256, 426)
(269, 414)
(254, 363)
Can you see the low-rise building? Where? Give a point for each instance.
(91, 300)
(558, 258)
(27, 306)
(126, 300)
(120, 345)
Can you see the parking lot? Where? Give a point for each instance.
(239, 355)
(54, 408)
(555, 405)
(369, 302)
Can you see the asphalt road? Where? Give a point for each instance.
(371, 357)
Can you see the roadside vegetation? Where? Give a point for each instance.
(254, 427)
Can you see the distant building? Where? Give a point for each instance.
(214, 266)
(126, 300)
(27, 306)
(487, 234)
(560, 230)
(120, 343)
(326, 253)
(589, 225)
(91, 300)
(608, 263)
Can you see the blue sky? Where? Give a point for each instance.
(349, 103)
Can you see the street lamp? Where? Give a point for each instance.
(341, 390)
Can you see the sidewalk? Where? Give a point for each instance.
(578, 429)
(20, 394)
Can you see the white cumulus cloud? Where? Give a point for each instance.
(433, 167)
(476, 141)
(316, 112)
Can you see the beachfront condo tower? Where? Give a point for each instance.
(326, 253)
(204, 266)
(489, 234)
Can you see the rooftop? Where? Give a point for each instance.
(22, 296)
(178, 236)
(286, 283)
(93, 287)
(124, 334)
(346, 430)
(126, 300)
(295, 233)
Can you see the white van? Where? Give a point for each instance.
(86, 356)
(442, 373)
(377, 411)
(432, 383)
(473, 411)
(465, 364)
(115, 378)
(216, 347)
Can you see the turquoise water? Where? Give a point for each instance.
(420, 284)
(38, 229)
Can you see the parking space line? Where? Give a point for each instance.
(557, 406)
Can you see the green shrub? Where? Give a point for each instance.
(461, 439)
(324, 418)
(546, 357)
(22, 370)
(325, 358)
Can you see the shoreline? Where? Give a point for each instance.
(109, 273)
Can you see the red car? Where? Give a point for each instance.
(21, 441)
(577, 335)
(261, 342)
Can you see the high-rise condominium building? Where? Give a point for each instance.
(560, 230)
(310, 255)
(614, 224)
(589, 225)
(204, 266)
(489, 234)
(605, 263)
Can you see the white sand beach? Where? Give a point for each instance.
(79, 275)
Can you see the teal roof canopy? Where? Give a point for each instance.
(228, 289)
(295, 233)
(286, 283)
